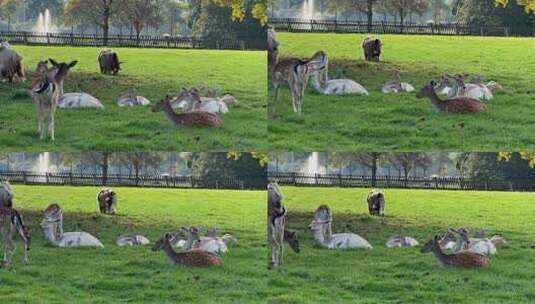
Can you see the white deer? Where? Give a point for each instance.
(52, 225)
(321, 230)
(321, 82)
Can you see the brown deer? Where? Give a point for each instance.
(296, 73)
(376, 203)
(188, 258)
(11, 223)
(463, 259)
(453, 105)
(46, 91)
(107, 201)
(189, 119)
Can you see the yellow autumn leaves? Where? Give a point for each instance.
(528, 4)
(239, 9)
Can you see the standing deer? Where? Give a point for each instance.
(107, 201)
(11, 223)
(109, 62)
(46, 91)
(376, 203)
(372, 48)
(276, 224)
(296, 73)
(188, 258)
(6, 195)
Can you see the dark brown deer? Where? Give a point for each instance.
(453, 105)
(463, 259)
(11, 223)
(109, 62)
(107, 201)
(189, 119)
(189, 258)
(376, 203)
(373, 48)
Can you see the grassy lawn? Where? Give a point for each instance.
(403, 122)
(136, 274)
(152, 73)
(385, 275)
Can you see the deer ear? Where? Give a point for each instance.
(433, 83)
(73, 63)
(167, 235)
(53, 62)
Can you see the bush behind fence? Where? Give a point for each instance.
(441, 183)
(70, 39)
(159, 181)
(325, 26)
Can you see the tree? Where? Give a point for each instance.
(371, 160)
(529, 5)
(39, 6)
(138, 161)
(407, 161)
(100, 160)
(100, 12)
(405, 7)
(8, 9)
(258, 9)
(140, 13)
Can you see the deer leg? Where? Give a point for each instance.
(51, 122)
(40, 118)
(9, 248)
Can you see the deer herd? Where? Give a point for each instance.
(451, 94)
(47, 91)
(184, 246)
(453, 248)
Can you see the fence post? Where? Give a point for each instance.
(48, 38)
(506, 30)
(294, 181)
(24, 180)
(25, 37)
(340, 180)
(70, 178)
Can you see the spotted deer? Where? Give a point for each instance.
(296, 73)
(11, 223)
(189, 258)
(188, 119)
(452, 105)
(46, 91)
(463, 259)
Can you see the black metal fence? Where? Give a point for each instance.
(325, 26)
(161, 181)
(70, 39)
(441, 183)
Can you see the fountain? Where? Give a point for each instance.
(313, 167)
(42, 168)
(307, 11)
(44, 23)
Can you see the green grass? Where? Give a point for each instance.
(403, 122)
(385, 275)
(153, 73)
(136, 274)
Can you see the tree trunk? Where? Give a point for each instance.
(374, 168)
(105, 167)
(106, 23)
(369, 12)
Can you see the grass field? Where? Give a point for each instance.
(127, 275)
(403, 122)
(385, 275)
(152, 73)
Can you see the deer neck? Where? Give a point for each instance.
(171, 254)
(318, 84)
(171, 114)
(52, 232)
(437, 252)
(435, 100)
(319, 236)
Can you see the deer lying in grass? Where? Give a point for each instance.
(79, 101)
(324, 85)
(463, 259)
(11, 223)
(471, 90)
(190, 119)
(46, 91)
(191, 100)
(132, 100)
(52, 225)
(401, 241)
(483, 246)
(212, 244)
(396, 86)
(320, 226)
(453, 105)
(296, 73)
(6, 195)
(276, 224)
(131, 238)
(188, 258)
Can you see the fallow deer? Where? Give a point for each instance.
(11, 223)
(453, 105)
(46, 91)
(189, 119)
(188, 258)
(276, 224)
(461, 259)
